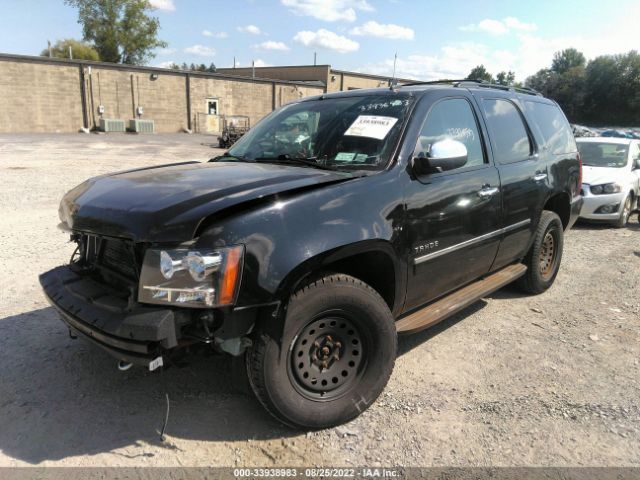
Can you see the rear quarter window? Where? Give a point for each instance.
(553, 126)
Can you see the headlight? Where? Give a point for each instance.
(191, 277)
(606, 188)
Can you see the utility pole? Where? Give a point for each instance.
(315, 57)
(70, 53)
(234, 61)
(393, 78)
(49, 45)
(253, 69)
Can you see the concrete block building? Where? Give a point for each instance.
(40, 94)
(332, 79)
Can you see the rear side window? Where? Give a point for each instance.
(508, 134)
(553, 127)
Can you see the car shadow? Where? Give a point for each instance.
(586, 225)
(407, 342)
(593, 225)
(62, 398)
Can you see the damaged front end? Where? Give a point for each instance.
(113, 293)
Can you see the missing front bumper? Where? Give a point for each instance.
(133, 335)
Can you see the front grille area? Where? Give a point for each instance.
(110, 257)
(119, 256)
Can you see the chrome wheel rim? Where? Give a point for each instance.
(626, 211)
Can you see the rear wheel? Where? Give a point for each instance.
(543, 259)
(625, 213)
(337, 353)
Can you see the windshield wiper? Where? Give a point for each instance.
(306, 162)
(230, 158)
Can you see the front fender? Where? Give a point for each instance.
(292, 236)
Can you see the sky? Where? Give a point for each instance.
(432, 39)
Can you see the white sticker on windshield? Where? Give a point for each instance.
(371, 126)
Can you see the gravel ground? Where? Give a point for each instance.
(512, 381)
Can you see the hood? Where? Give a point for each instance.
(167, 203)
(600, 175)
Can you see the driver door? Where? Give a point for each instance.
(453, 217)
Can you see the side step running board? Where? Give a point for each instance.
(458, 300)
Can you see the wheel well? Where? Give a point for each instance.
(375, 268)
(561, 205)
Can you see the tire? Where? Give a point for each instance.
(337, 353)
(544, 256)
(625, 213)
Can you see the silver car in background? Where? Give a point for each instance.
(611, 178)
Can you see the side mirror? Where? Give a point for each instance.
(442, 156)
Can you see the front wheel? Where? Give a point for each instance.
(625, 213)
(336, 355)
(543, 259)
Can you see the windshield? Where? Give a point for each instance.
(612, 155)
(351, 133)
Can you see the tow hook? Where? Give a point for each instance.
(124, 366)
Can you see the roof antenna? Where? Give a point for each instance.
(392, 82)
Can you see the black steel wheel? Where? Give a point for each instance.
(327, 357)
(334, 358)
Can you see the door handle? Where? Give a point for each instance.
(538, 177)
(487, 192)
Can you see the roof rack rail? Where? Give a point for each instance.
(476, 83)
(436, 82)
(526, 90)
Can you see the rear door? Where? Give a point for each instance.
(453, 216)
(523, 174)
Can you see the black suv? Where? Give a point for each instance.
(336, 223)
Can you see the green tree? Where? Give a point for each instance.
(122, 31)
(567, 59)
(506, 78)
(568, 89)
(613, 89)
(211, 68)
(480, 73)
(564, 82)
(627, 87)
(80, 50)
(539, 81)
(605, 92)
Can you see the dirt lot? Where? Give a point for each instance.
(513, 380)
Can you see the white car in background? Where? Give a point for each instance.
(610, 178)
